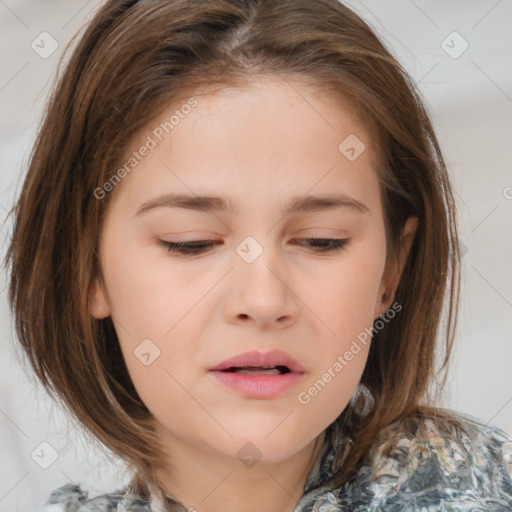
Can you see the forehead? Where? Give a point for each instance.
(275, 138)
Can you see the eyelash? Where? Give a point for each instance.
(198, 246)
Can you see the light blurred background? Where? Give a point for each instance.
(466, 79)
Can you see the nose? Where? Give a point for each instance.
(261, 294)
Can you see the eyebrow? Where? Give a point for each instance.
(311, 203)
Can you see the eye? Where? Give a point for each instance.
(326, 244)
(320, 245)
(194, 247)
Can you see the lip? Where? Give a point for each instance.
(255, 358)
(259, 386)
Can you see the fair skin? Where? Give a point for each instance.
(259, 146)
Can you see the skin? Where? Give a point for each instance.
(202, 309)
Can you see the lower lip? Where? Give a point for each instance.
(258, 386)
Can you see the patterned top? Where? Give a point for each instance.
(419, 469)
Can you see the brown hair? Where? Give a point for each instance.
(133, 59)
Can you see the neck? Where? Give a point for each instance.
(206, 482)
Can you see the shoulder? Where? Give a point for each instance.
(461, 465)
(431, 464)
(73, 498)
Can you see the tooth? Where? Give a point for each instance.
(247, 371)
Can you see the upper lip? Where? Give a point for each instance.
(264, 359)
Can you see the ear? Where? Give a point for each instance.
(394, 269)
(98, 303)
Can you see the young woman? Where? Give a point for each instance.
(230, 258)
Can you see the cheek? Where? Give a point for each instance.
(143, 290)
(345, 303)
(153, 308)
(346, 297)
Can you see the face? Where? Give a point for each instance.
(261, 282)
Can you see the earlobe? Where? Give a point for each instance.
(98, 304)
(392, 274)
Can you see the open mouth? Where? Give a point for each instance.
(258, 379)
(258, 370)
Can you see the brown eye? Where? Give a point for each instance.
(195, 247)
(320, 245)
(326, 244)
